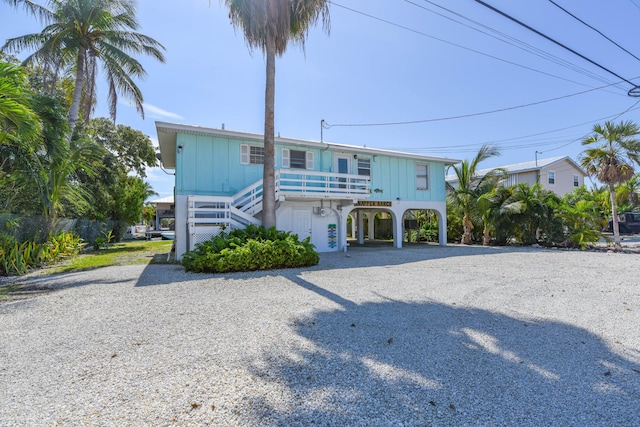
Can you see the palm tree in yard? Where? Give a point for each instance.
(79, 35)
(19, 124)
(615, 149)
(269, 25)
(465, 194)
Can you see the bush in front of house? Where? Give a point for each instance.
(248, 249)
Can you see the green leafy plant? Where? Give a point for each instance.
(251, 248)
(104, 241)
(17, 258)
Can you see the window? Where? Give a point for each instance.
(422, 177)
(251, 155)
(576, 181)
(551, 177)
(297, 159)
(364, 167)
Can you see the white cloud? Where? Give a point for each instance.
(159, 112)
(152, 111)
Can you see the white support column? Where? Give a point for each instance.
(353, 226)
(182, 226)
(342, 232)
(371, 215)
(398, 235)
(360, 214)
(442, 228)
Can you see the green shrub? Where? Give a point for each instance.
(252, 248)
(17, 258)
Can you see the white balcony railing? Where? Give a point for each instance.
(322, 184)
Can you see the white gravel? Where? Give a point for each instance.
(443, 336)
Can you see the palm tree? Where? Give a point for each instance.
(269, 25)
(82, 33)
(611, 161)
(627, 193)
(19, 124)
(465, 194)
(535, 217)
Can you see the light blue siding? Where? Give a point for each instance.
(207, 165)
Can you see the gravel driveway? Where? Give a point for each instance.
(444, 336)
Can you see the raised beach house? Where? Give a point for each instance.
(218, 184)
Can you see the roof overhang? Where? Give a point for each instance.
(168, 132)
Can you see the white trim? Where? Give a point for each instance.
(309, 160)
(167, 133)
(337, 157)
(426, 177)
(244, 154)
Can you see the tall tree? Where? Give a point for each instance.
(78, 35)
(615, 149)
(20, 130)
(465, 193)
(270, 25)
(19, 124)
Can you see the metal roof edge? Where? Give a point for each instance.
(166, 127)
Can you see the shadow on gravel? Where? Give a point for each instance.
(362, 256)
(377, 256)
(399, 363)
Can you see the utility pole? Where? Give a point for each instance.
(537, 170)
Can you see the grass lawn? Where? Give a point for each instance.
(123, 253)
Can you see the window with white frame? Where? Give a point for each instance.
(576, 181)
(251, 155)
(297, 159)
(551, 177)
(422, 177)
(364, 166)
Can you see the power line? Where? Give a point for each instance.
(512, 41)
(632, 91)
(594, 29)
(462, 116)
(470, 147)
(450, 43)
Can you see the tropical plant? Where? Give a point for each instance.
(19, 124)
(469, 186)
(270, 26)
(627, 194)
(535, 219)
(18, 257)
(582, 222)
(78, 35)
(252, 248)
(615, 149)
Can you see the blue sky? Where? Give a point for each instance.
(416, 66)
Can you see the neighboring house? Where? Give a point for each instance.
(318, 185)
(165, 209)
(558, 174)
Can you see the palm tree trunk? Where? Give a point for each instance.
(268, 177)
(77, 91)
(467, 227)
(614, 217)
(486, 234)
